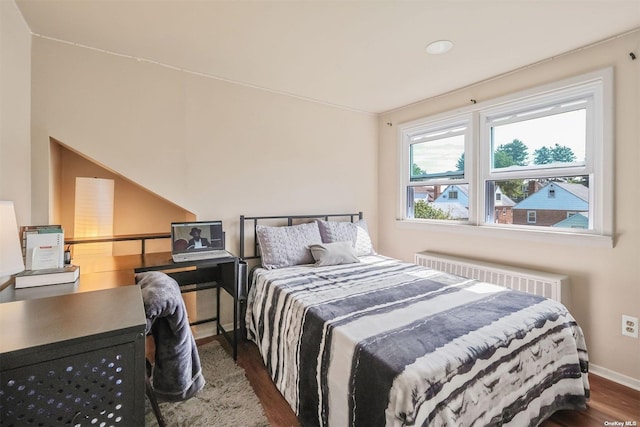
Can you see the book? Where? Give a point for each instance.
(48, 276)
(43, 246)
(36, 229)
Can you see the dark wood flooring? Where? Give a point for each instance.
(609, 401)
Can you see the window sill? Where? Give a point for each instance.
(550, 237)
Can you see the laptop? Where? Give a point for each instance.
(197, 240)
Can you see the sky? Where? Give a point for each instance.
(439, 156)
(567, 129)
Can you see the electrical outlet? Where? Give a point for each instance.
(630, 326)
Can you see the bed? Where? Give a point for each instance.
(354, 338)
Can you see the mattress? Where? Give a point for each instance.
(387, 343)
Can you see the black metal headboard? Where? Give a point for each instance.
(290, 220)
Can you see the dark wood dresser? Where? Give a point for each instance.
(73, 359)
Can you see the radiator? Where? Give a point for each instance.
(553, 286)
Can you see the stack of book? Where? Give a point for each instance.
(43, 251)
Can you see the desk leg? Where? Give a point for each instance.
(235, 312)
(219, 329)
(233, 339)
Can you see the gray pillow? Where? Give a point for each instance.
(287, 246)
(333, 253)
(355, 232)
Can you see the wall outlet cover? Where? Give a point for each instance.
(630, 326)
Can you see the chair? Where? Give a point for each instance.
(152, 396)
(175, 374)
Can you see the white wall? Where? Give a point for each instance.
(605, 282)
(215, 148)
(15, 106)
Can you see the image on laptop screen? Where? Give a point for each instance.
(196, 236)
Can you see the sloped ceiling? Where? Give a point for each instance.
(362, 55)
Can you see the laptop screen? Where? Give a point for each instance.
(196, 236)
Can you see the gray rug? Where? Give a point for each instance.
(227, 398)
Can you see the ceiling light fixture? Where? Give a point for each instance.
(439, 47)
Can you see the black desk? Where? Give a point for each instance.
(219, 273)
(99, 273)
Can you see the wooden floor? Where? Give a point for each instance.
(610, 402)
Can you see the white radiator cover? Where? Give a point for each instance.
(553, 286)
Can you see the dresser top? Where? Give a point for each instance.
(56, 319)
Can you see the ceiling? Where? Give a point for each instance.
(366, 56)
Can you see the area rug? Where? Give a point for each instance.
(227, 398)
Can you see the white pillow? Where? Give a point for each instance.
(355, 232)
(287, 246)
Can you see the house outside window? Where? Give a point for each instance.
(554, 141)
(435, 165)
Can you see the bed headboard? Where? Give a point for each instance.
(280, 220)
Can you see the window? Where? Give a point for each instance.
(436, 170)
(545, 154)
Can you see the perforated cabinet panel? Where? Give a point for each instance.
(94, 388)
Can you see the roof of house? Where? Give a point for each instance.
(422, 194)
(505, 201)
(455, 209)
(463, 195)
(558, 196)
(579, 220)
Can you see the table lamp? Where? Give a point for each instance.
(11, 261)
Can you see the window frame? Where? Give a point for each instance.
(435, 124)
(598, 164)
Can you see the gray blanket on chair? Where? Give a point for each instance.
(176, 373)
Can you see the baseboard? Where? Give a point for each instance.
(228, 327)
(207, 330)
(204, 330)
(614, 376)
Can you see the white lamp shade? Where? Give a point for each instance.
(11, 261)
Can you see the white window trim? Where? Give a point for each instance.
(602, 164)
(419, 126)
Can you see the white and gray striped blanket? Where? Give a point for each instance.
(382, 342)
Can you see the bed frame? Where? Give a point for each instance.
(278, 220)
(282, 220)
